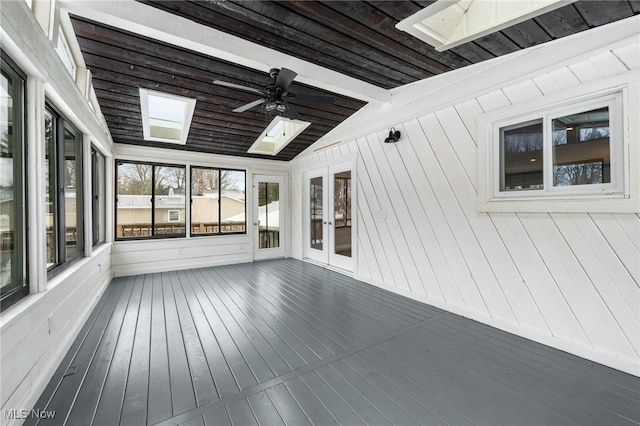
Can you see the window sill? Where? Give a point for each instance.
(609, 203)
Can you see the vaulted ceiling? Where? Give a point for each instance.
(353, 38)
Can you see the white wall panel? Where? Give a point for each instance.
(569, 280)
(141, 257)
(35, 340)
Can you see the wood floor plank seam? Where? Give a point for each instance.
(291, 315)
(386, 313)
(302, 299)
(392, 304)
(260, 323)
(266, 315)
(176, 420)
(304, 314)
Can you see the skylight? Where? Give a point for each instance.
(166, 117)
(449, 23)
(278, 134)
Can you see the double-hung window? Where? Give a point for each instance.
(150, 201)
(64, 190)
(13, 265)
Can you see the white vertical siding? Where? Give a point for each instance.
(569, 280)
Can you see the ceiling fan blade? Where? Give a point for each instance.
(237, 86)
(285, 78)
(250, 105)
(319, 99)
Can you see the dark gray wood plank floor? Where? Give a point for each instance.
(285, 342)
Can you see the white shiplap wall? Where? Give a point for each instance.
(569, 280)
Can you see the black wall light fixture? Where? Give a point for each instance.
(394, 136)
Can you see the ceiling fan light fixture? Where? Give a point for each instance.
(274, 107)
(269, 106)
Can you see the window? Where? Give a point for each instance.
(174, 216)
(217, 201)
(571, 150)
(64, 195)
(98, 193)
(165, 117)
(64, 52)
(146, 195)
(13, 271)
(278, 134)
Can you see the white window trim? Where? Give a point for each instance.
(622, 195)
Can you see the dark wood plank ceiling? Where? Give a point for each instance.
(122, 62)
(355, 38)
(359, 38)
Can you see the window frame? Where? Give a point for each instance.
(17, 294)
(626, 201)
(616, 150)
(219, 170)
(98, 194)
(61, 123)
(153, 235)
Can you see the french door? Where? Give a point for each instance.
(329, 226)
(268, 216)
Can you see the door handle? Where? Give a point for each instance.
(330, 223)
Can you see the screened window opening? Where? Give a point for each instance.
(217, 201)
(146, 194)
(13, 271)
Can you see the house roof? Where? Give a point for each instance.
(348, 49)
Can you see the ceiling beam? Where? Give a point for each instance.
(152, 22)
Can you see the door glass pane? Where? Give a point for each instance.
(169, 207)
(342, 213)
(73, 204)
(134, 200)
(581, 153)
(233, 213)
(204, 201)
(269, 214)
(315, 191)
(50, 190)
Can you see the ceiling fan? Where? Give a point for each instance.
(275, 95)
